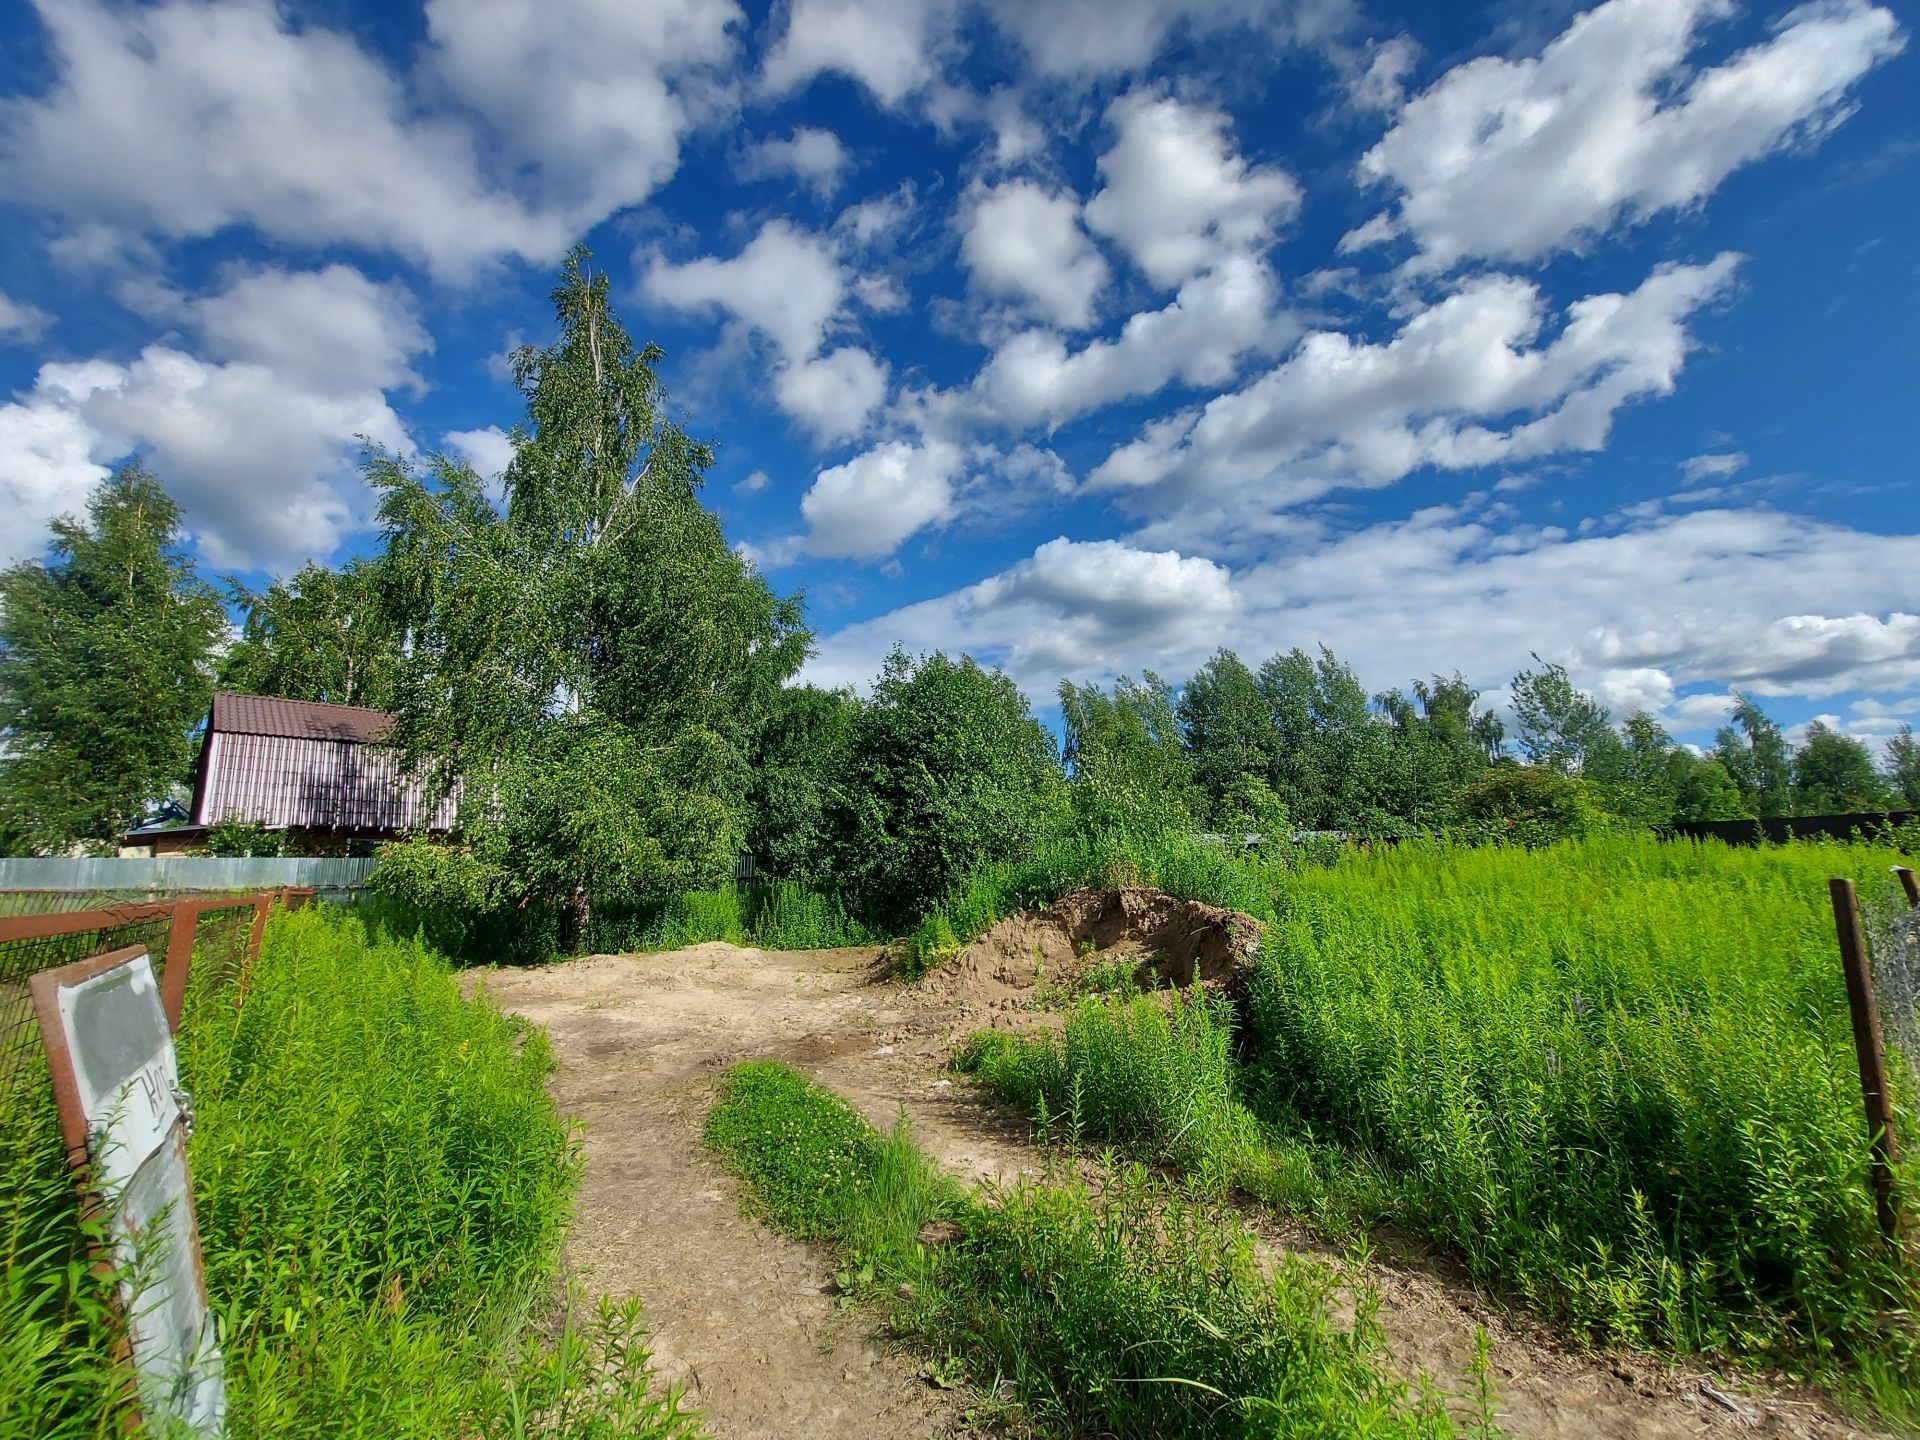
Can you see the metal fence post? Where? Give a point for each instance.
(261, 905)
(173, 979)
(1875, 1098)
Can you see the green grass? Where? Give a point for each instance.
(775, 915)
(1154, 1073)
(1615, 1075)
(1139, 1312)
(382, 1186)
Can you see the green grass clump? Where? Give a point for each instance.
(1154, 1073)
(1140, 1312)
(57, 1323)
(775, 915)
(382, 1185)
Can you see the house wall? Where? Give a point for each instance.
(286, 782)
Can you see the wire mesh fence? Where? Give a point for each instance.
(203, 950)
(1893, 940)
(31, 944)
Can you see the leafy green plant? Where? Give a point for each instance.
(1141, 1312)
(382, 1184)
(1616, 1074)
(235, 837)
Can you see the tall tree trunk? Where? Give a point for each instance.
(573, 922)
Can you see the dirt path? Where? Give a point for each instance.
(744, 1319)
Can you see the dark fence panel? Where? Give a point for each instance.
(1793, 827)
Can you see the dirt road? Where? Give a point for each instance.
(745, 1320)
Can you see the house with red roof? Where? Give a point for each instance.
(324, 771)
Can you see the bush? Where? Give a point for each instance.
(459, 904)
(232, 837)
(1530, 805)
(948, 772)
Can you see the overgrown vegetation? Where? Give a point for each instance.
(1615, 1075)
(381, 1184)
(1137, 1311)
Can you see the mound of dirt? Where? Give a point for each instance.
(1175, 942)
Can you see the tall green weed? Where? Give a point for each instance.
(382, 1184)
(1618, 1074)
(1137, 1312)
(1615, 1074)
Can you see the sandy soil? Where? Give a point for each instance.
(745, 1319)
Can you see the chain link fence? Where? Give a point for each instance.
(1893, 940)
(203, 951)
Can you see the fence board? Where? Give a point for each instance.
(175, 874)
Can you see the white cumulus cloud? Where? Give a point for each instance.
(254, 436)
(1022, 241)
(1467, 382)
(871, 505)
(21, 323)
(1513, 159)
(791, 287)
(182, 119)
(813, 156)
(1177, 197)
(1074, 608)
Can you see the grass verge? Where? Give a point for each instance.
(1136, 1312)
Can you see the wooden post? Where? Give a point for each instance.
(1875, 1098)
(1908, 884)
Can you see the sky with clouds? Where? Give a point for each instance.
(1086, 336)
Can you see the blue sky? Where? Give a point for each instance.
(1083, 335)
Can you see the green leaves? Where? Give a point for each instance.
(326, 635)
(948, 772)
(595, 660)
(104, 669)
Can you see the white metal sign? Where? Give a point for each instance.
(118, 1083)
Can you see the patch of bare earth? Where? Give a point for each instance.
(745, 1319)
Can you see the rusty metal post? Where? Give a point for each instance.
(261, 905)
(1875, 1098)
(173, 978)
(1908, 884)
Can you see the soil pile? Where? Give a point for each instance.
(1175, 942)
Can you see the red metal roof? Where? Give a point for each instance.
(237, 714)
(296, 763)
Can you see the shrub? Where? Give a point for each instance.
(948, 772)
(1530, 805)
(233, 837)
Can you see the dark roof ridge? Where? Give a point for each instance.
(238, 713)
